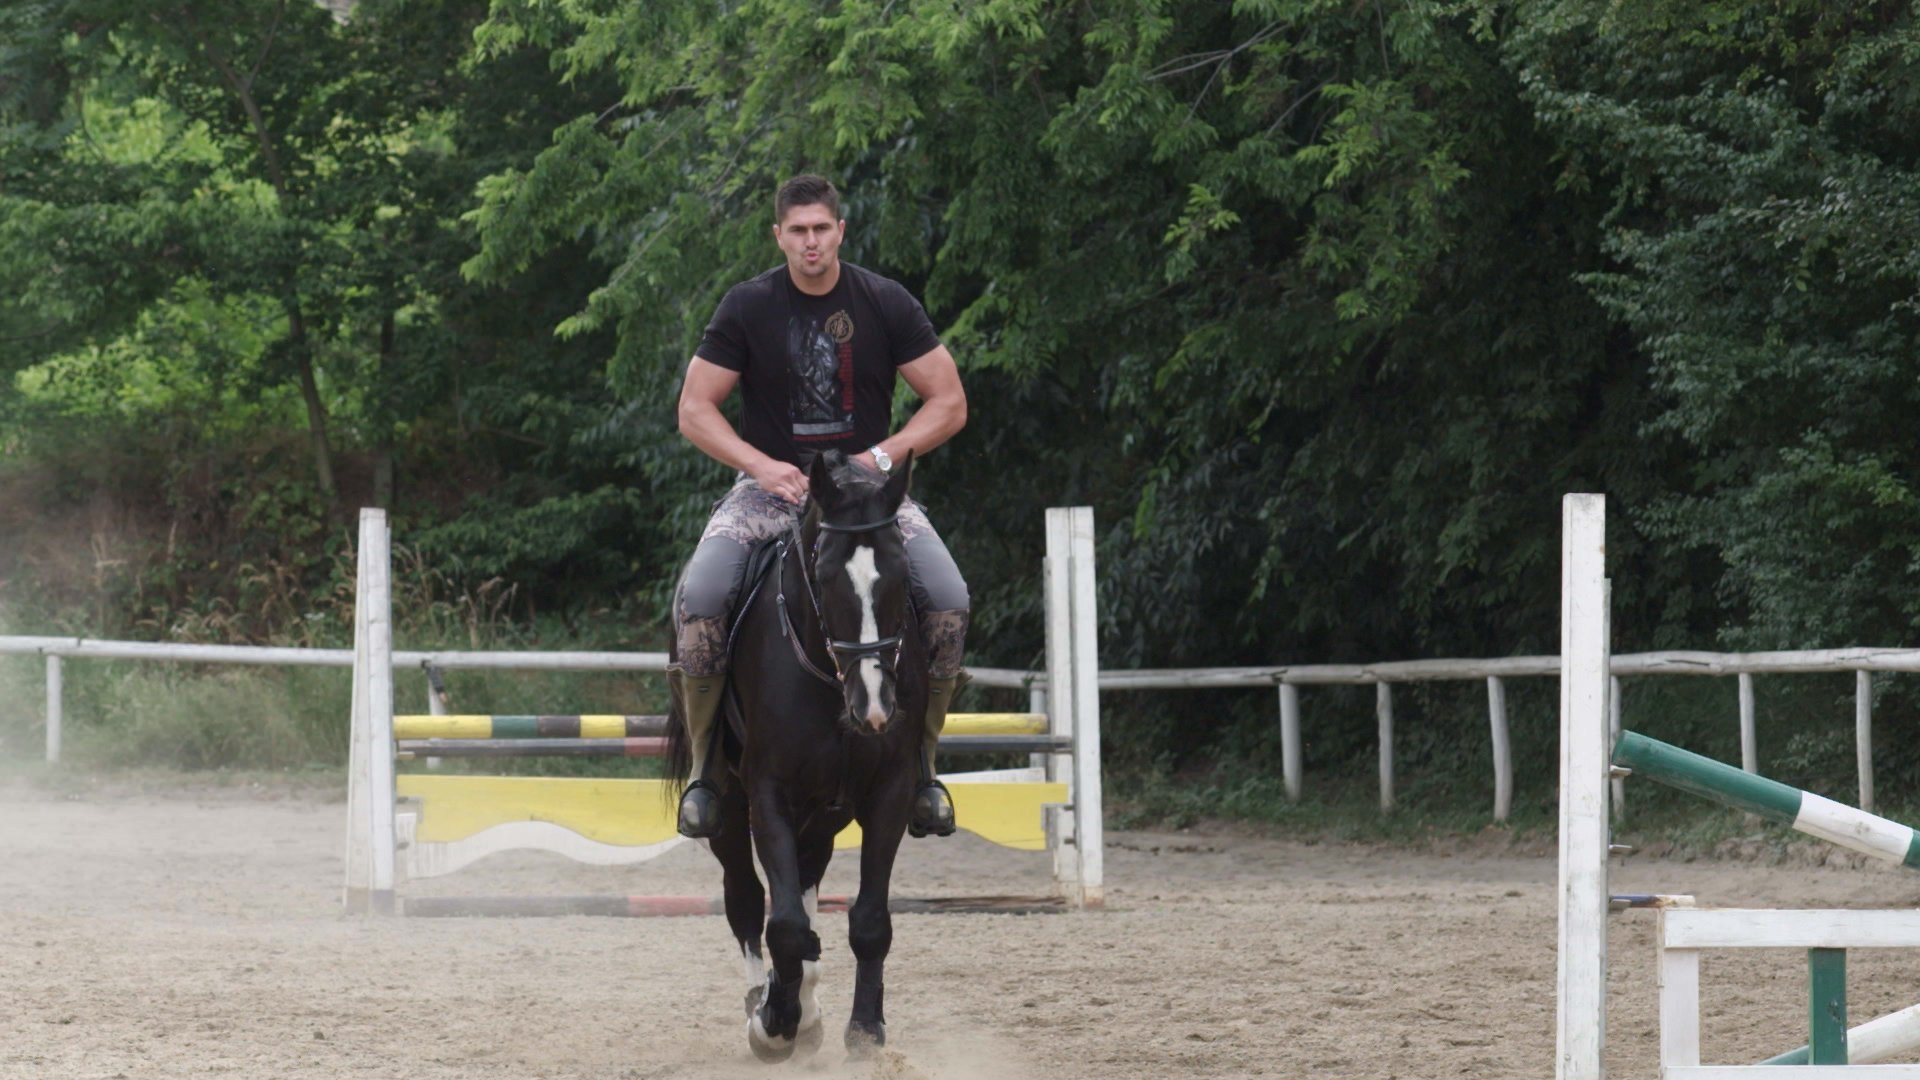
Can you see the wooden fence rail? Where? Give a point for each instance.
(1288, 678)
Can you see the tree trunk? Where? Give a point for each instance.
(241, 84)
(316, 409)
(383, 448)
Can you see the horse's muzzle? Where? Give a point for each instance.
(870, 696)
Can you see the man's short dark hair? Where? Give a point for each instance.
(806, 190)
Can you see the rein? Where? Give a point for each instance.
(791, 632)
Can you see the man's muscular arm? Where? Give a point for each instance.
(706, 386)
(943, 407)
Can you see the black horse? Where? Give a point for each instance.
(823, 727)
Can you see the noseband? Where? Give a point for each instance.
(886, 649)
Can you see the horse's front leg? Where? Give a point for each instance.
(869, 922)
(746, 901)
(787, 1008)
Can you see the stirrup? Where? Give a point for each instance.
(932, 811)
(699, 811)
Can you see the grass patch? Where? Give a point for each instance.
(1342, 806)
(233, 718)
(1335, 808)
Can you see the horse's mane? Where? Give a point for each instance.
(853, 480)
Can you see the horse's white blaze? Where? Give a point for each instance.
(864, 574)
(755, 967)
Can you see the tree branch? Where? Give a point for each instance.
(243, 90)
(727, 170)
(1297, 102)
(52, 328)
(512, 435)
(267, 46)
(1219, 59)
(1200, 60)
(1216, 57)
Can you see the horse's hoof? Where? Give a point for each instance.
(754, 997)
(770, 1050)
(809, 1039)
(864, 1037)
(699, 811)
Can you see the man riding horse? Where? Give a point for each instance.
(814, 346)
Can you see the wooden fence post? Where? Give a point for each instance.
(1502, 748)
(1290, 739)
(56, 705)
(1863, 734)
(1383, 708)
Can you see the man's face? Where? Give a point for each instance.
(811, 239)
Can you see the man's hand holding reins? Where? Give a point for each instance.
(781, 479)
(701, 421)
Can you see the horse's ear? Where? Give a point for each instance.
(895, 491)
(820, 483)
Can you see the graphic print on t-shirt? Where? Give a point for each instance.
(820, 367)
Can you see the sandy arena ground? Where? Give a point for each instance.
(199, 934)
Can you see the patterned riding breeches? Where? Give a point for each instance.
(746, 514)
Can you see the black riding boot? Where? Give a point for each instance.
(932, 812)
(699, 704)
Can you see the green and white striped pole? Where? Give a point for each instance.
(1836, 823)
(1892, 1036)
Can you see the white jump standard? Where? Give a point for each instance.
(1588, 762)
(426, 825)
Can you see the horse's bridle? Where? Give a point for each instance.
(886, 649)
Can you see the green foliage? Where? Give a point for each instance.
(1762, 218)
(1321, 306)
(1180, 260)
(245, 219)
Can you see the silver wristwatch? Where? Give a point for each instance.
(881, 459)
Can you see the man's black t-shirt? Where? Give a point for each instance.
(817, 372)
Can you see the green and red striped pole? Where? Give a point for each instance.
(1815, 815)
